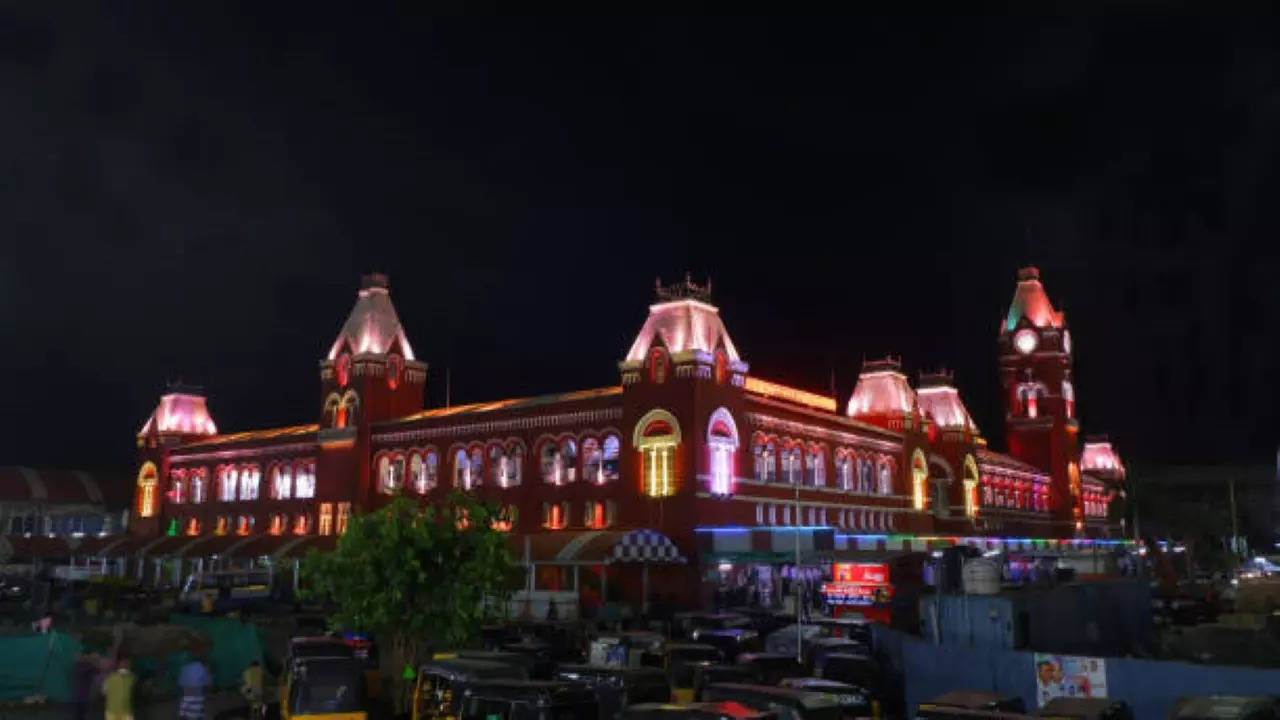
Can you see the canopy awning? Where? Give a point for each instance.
(597, 547)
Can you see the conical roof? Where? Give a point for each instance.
(882, 390)
(1031, 302)
(940, 401)
(685, 320)
(180, 413)
(372, 327)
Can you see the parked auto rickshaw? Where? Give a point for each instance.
(771, 668)
(732, 642)
(627, 649)
(366, 653)
(438, 689)
(522, 660)
(788, 703)
(306, 648)
(858, 670)
(855, 702)
(323, 688)
(528, 700)
(1067, 708)
(618, 687)
(1226, 707)
(848, 628)
(680, 660)
(684, 623)
(704, 675)
(694, 711)
(818, 648)
(544, 655)
(969, 704)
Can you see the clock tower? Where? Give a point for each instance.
(1036, 379)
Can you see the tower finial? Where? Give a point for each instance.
(687, 290)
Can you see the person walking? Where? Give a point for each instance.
(118, 688)
(193, 678)
(252, 689)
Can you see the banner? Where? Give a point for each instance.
(1069, 676)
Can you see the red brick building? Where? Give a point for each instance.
(689, 445)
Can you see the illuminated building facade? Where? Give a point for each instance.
(689, 445)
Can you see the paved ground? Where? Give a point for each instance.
(162, 710)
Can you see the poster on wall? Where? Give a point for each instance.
(1069, 676)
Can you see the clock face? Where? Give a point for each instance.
(1066, 341)
(1025, 341)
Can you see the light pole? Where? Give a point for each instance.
(799, 614)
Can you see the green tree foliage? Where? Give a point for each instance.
(417, 576)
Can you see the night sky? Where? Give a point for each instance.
(192, 193)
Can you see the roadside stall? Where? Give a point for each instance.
(877, 587)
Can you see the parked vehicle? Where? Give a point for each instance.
(694, 711)
(323, 688)
(970, 704)
(771, 668)
(527, 662)
(224, 590)
(788, 703)
(859, 670)
(784, 639)
(528, 700)
(683, 624)
(439, 685)
(848, 628)
(818, 648)
(732, 642)
(1063, 708)
(307, 648)
(680, 660)
(854, 701)
(618, 687)
(1226, 707)
(704, 675)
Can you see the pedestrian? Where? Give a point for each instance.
(83, 674)
(252, 688)
(193, 678)
(118, 688)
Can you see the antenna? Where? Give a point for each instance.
(446, 386)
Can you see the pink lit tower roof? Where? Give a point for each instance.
(683, 319)
(882, 390)
(373, 326)
(940, 402)
(180, 412)
(1100, 459)
(1031, 302)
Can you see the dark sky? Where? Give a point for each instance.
(192, 192)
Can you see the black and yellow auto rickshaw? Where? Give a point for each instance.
(788, 703)
(1082, 708)
(618, 687)
(307, 648)
(855, 702)
(818, 648)
(694, 711)
(683, 624)
(704, 675)
(960, 704)
(522, 660)
(771, 668)
(323, 688)
(528, 700)
(438, 688)
(680, 659)
(731, 641)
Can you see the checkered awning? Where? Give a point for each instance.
(646, 546)
(596, 547)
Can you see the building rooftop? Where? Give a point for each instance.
(683, 319)
(882, 389)
(939, 400)
(180, 413)
(373, 326)
(1031, 302)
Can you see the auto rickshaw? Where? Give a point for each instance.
(694, 711)
(307, 648)
(323, 688)
(855, 702)
(1080, 708)
(860, 670)
(684, 623)
(618, 687)
(1225, 707)
(847, 628)
(771, 668)
(790, 704)
(817, 648)
(704, 675)
(438, 688)
(528, 663)
(970, 704)
(528, 700)
(366, 652)
(680, 660)
(732, 642)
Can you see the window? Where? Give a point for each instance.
(886, 477)
(515, 464)
(281, 482)
(658, 366)
(773, 514)
(147, 490)
(722, 446)
(970, 486)
(177, 486)
(301, 524)
(592, 461)
(222, 526)
(244, 524)
(612, 452)
(569, 457)
(390, 474)
(505, 520)
(657, 436)
(348, 410)
(844, 471)
(919, 480)
(497, 466)
(463, 472)
(558, 462)
(199, 485)
(424, 471)
(765, 461)
(477, 467)
(1069, 398)
(193, 526)
(279, 522)
(304, 479)
(815, 471)
(791, 466)
(332, 416)
(600, 514)
(228, 479)
(344, 517)
(249, 477)
(555, 516)
(325, 525)
(721, 367)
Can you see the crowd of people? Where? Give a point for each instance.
(97, 676)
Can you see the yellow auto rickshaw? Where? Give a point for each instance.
(323, 688)
(439, 686)
(680, 660)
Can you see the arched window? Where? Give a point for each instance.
(815, 471)
(250, 476)
(791, 465)
(228, 483)
(177, 486)
(844, 470)
(324, 526)
(722, 446)
(199, 481)
(147, 490)
(552, 464)
(332, 417)
(612, 453)
(417, 475)
(658, 365)
(461, 470)
(515, 464)
(569, 457)
(304, 479)
(866, 476)
(193, 526)
(348, 410)
(766, 460)
(886, 478)
(426, 475)
(505, 520)
(244, 524)
(599, 514)
(970, 486)
(656, 436)
(592, 461)
(555, 516)
(1069, 397)
(301, 524)
(919, 480)
(279, 523)
(477, 466)
(222, 526)
(281, 481)
(497, 466)
(385, 472)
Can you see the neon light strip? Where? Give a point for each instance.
(790, 394)
(954, 539)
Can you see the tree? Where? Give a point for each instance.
(420, 577)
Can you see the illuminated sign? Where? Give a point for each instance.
(864, 573)
(846, 593)
(782, 392)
